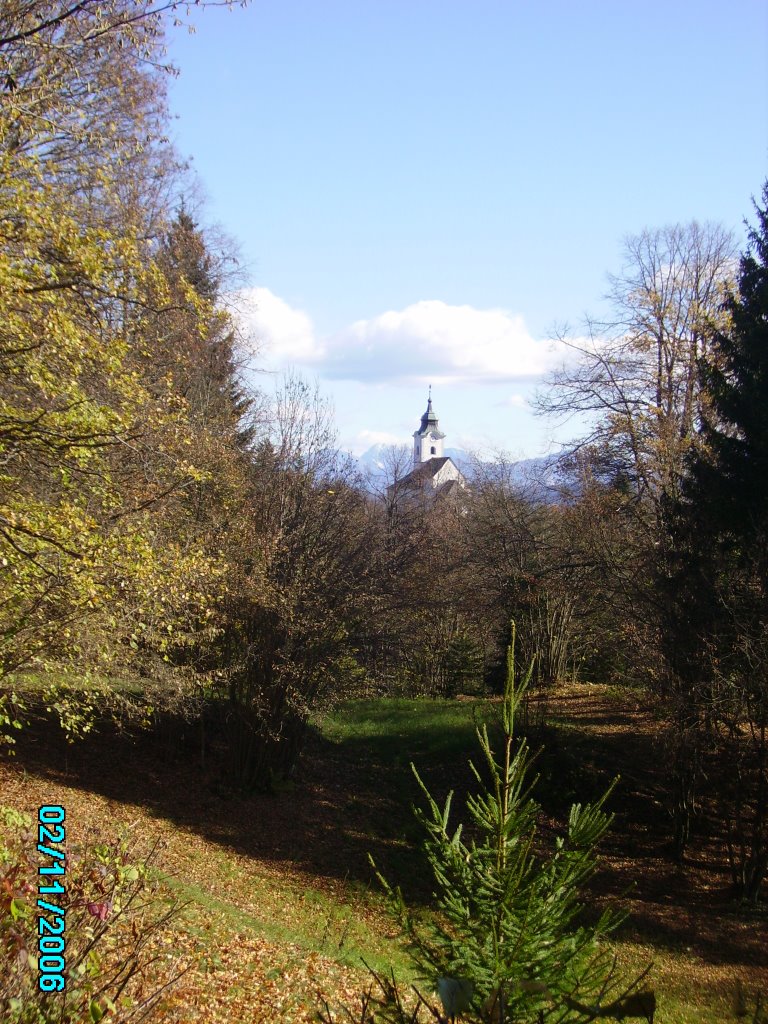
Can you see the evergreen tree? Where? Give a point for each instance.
(718, 640)
(184, 254)
(730, 478)
(509, 940)
(196, 339)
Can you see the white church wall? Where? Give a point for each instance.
(448, 471)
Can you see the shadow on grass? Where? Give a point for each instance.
(353, 794)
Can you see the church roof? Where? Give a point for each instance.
(426, 471)
(428, 468)
(429, 422)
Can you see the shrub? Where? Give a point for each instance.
(116, 909)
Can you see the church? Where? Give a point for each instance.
(431, 469)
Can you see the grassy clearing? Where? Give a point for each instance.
(398, 726)
(689, 990)
(270, 926)
(438, 737)
(393, 733)
(379, 740)
(692, 989)
(346, 924)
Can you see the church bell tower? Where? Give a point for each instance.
(428, 439)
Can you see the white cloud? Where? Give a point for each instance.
(515, 401)
(365, 439)
(437, 342)
(427, 342)
(284, 335)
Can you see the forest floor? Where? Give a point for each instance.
(282, 902)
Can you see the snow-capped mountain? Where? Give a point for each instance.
(542, 477)
(379, 459)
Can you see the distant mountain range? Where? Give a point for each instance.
(377, 460)
(543, 477)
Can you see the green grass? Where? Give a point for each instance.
(684, 992)
(440, 738)
(340, 928)
(401, 730)
(379, 740)
(439, 734)
(344, 920)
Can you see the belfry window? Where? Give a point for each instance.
(433, 450)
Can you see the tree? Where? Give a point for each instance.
(731, 470)
(298, 587)
(90, 446)
(85, 92)
(558, 567)
(194, 338)
(508, 940)
(426, 634)
(719, 580)
(65, 401)
(636, 377)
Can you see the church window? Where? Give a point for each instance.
(433, 450)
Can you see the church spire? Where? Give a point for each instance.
(428, 439)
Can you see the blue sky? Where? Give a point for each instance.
(422, 191)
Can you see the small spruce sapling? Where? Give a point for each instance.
(508, 940)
